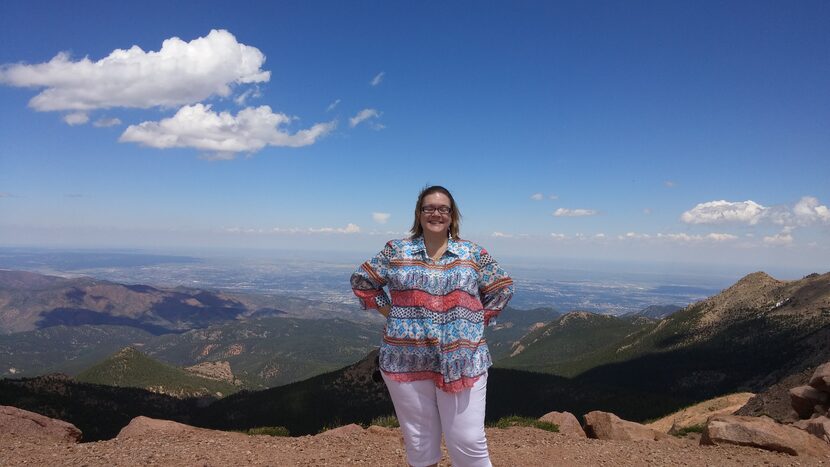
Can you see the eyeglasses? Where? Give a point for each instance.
(432, 209)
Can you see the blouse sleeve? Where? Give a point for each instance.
(495, 287)
(369, 279)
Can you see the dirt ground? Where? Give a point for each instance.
(375, 447)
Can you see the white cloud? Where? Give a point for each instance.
(241, 99)
(647, 211)
(599, 236)
(558, 236)
(721, 237)
(5, 194)
(686, 238)
(669, 184)
(502, 235)
(380, 217)
(537, 196)
(808, 210)
(553, 197)
(634, 236)
(562, 212)
(223, 134)
(76, 118)
(332, 105)
(362, 116)
(349, 229)
(718, 212)
(779, 239)
(179, 73)
(106, 122)
(378, 78)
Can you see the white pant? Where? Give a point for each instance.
(424, 411)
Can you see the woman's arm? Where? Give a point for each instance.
(494, 285)
(370, 278)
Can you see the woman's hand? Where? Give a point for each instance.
(384, 310)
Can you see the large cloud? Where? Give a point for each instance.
(716, 212)
(223, 134)
(807, 211)
(179, 73)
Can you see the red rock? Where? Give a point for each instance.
(142, 425)
(818, 426)
(568, 424)
(31, 425)
(343, 430)
(604, 425)
(821, 378)
(763, 433)
(805, 398)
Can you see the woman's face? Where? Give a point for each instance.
(435, 222)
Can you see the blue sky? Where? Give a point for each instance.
(660, 131)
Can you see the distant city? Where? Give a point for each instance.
(611, 290)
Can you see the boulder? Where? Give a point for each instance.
(31, 425)
(821, 378)
(762, 433)
(818, 426)
(142, 425)
(605, 425)
(805, 398)
(567, 422)
(343, 430)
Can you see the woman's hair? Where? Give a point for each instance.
(455, 214)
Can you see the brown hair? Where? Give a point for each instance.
(455, 214)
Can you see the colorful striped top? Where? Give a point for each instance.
(435, 329)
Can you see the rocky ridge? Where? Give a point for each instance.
(147, 441)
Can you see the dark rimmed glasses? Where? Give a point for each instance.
(431, 209)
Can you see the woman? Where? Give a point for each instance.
(433, 357)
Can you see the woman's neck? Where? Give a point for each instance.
(435, 244)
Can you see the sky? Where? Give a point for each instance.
(674, 132)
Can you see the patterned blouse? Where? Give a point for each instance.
(435, 329)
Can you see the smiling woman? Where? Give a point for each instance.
(433, 357)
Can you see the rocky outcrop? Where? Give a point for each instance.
(22, 423)
(805, 399)
(763, 433)
(821, 378)
(607, 426)
(697, 414)
(567, 423)
(142, 426)
(818, 426)
(343, 430)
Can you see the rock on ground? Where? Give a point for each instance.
(567, 423)
(607, 426)
(699, 413)
(22, 423)
(762, 433)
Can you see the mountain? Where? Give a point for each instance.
(656, 311)
(63, 349)
(31, 301)
(261, 353)
(131, 368)
(512, 324)
(574, 342)
(271, 352)
(746, 338)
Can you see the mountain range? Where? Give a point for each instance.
(747, 337)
